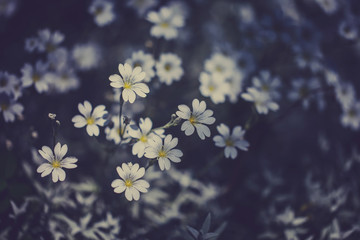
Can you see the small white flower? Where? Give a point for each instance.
(214, 86)
(143, 134)
(348, 30)
(231, 141)
(31, 44)
(35, 76)
(86, 56)
(48, 41)
(7, 83)
(129, 182)
(115, 132)
(266, 83)
(168, 68)
(166, 21)
(90, 119)
(130, 80)
(351, 116)
(262, 100)
(164, 152)
(102, 11)
(56, 162)
(219, 63)
(141, 6)
(145, 61)
(63, 81)
(10, 109)
(197, 118)
(345, 94)
(302, 90)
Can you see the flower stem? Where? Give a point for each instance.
(120, 114)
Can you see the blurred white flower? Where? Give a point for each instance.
(262, 100)
(197, 118)
(345, 94)
(7, 83)
(86, 56)
(219, 63)
(8, 7)
(36, 76)
(115, 132)
(131, 81)
(163, 151)
(348, 30)
(56, 162)
(231, 141)
(351, 116)
(18, 210)
(47, 41)
(31, 44)
(267, 84)
(143, 134)
(145, 61)
(166, 21)
(102, 11)
(214, 86)
(329, 6)
(141, 6)
(129, 182)
(91, 119)
(168, 68)
(63, 81)
(302, 90)
(10, 109)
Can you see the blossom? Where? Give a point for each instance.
(10, 109)
(262, 100)
(345, 94)
(102, 12)
(265, 83)
(348, 30)
(166, 21)
(214, 86)
(143, 134)
(130, 80)
(351, 116)
(115, 133)
(129, 182)
(63, 81)
(163, 151)
(56, 162)
(231, 141)
(141, 6)
(145, 61)
(7, 83)
(219, 63)
(168, 68)
(86, 56)
(302, 90)
(91, 119)
(35, 76)
(197, 118)
(48, 41)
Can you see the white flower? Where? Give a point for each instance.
(31, 44)
(8, 7)
(214, 86)
(231, 141)
(351, 116)
(141, 6)
(348, 30)
(48, 41)
(7, 83)
(63, 81)
(345, 94)
(142, 135)
(130, 80)
(130, 182)
(262, 100)
(86, 56)
(145, 61)
(164, 152)
(115, 132)
(197, 118)
(302, 90)
(288, 218)
(219, 63)
(168, 68)
(102, 12)
(10, 109)
(166, 21)
(90, 119)
(36, 76)
(265, 83)
(56, 162)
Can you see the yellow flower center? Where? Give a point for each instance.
(229, 143)
(351, 113)
(128, 182)
(90, 120)
(143, 139)
(137, 64)
(162, 153)
(164, 25)
(211, 88)
(192, 120)
(167, 67)
(219, 68)
(50, 47)
(4, 106)
(56, 164)
(36, 78)
(98, 11)
(120, 131)
(127, 85)
(265, 88)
